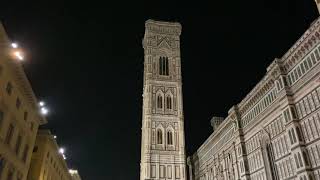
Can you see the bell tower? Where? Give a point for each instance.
(163, 141)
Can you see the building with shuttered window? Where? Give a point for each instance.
(19, 114)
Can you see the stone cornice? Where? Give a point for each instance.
(279, 66)
(302, 46)
(162, 27)
(216, 134)
(256, 94)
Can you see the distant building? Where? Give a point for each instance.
(274, 132)
(19, 115)
(163, 143)
(47, 159)
(74, 174)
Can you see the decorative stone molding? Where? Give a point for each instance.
(160, 27)
(306, 42)
(215, 122)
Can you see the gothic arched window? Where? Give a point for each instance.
(159, 136)
(164, 66)
(169, 138)
(159, 102)
(169, 102)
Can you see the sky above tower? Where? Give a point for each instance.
(85, 60)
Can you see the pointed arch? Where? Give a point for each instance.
(268, 155)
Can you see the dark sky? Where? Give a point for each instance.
(85, 59)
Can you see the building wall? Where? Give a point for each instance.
(75, 174)
(19, 115)
(274, 132)
(163, 146)
(47, 163)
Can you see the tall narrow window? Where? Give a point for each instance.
(299, 134)
(9, 88)
(270, 156)
(169, 138)
(169, 102)
(159, 101)
(25, 115)
(160, 65)
(18, 103)
(18, 144)
(305, 157)
(159, 136)
(164, 66)
(25, 153)
(9, 134)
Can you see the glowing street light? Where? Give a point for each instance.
(44, 111)
(19, 55)
(16, 52)
(55, 137)
(14, 45)
(61, 151)
(41, 103)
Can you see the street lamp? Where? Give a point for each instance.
(17, 53)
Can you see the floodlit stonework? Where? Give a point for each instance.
(274, 132)
(163, 146)
(19, 115)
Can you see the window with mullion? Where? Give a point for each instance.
(164, 66)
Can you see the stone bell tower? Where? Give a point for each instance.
(163, 141)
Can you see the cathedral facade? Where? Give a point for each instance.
(163, 143)
(274, 132)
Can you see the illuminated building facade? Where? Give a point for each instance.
(19, 114)
(274, 132)
(48, 162)
(74, 174)
(163, 146)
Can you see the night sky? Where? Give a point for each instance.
(85, 59)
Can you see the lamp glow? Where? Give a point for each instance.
(73, 172)
(44, 111)
(14, 45)
(18, 55)
(41, 103)
(61, 151)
